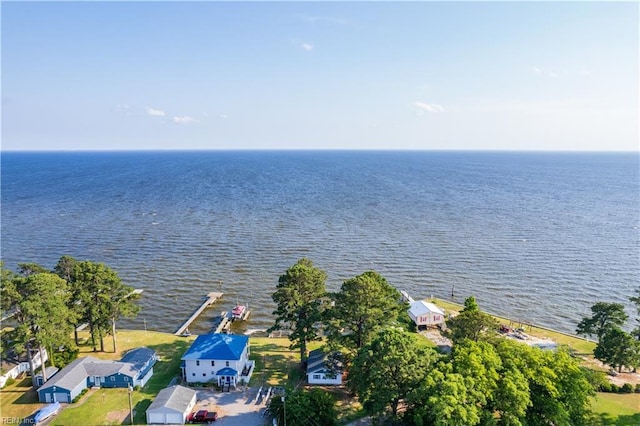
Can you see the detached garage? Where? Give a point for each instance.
(171, 406)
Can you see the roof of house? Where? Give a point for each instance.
(138, 356)
(316, 362)
(141, 359)
(175, 397)
(421, 307)
(70, 376)
(77, 371)
(217, 346)
(227, 371)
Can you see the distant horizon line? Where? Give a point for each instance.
(184, 150)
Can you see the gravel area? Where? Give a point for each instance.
(235, 408)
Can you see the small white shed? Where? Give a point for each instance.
(426, 314)
(171, 406)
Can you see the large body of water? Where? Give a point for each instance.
(539, 237)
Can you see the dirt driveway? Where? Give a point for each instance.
(235, 408)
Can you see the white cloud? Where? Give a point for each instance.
(328, 19)
(307, 46)
(155, 112)
(185, 119)
(123, 109)
(548, 73)
(433, 108)
(223, 116)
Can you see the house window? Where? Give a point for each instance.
(213, 363)
(126, 379)
(227, 363)
(197, 362)
(317, 376)
(113, 379)
(193, 374)
(204, 374)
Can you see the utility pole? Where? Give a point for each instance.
(130, 406)
(284, 405)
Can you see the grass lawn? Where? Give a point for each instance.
(19, 399)
(109, 406)
(276, 364)
(617, 409)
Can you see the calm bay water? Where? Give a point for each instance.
(536, 236)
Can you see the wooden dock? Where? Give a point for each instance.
(210, 300)
(222, 323)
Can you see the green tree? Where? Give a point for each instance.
(299, 299)
(512, 397)
(558, 388)
(386, 369)
(604, 317)
(480, 364)
(363, 305)
(471, 323)
(42, 317)
(102, 299)
(636, 301)
(302, 408)
(26, 269)
(618, 349)
(65, 269)
(442, 399)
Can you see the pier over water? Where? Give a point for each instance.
(210, 300)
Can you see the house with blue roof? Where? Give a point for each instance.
(218, 358)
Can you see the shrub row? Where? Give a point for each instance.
(613, 388)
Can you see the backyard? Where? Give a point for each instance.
(276, 365)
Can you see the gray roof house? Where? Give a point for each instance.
(89, 371)
(318, 371)
(171, 406)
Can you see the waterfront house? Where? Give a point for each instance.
(425, 314)
(88, 372)
(218, 358)
(172, 406)
(318, 371)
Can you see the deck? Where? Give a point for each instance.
(209, 300)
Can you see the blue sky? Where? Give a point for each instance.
(330, 75)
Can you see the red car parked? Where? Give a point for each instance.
(203, 416)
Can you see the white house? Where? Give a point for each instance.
(218, 358)
(426, 314)
(13, 366)
(317, 371)
(171, 406)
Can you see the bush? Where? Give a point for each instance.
(626, 388)
(637, 387)
(607, 387)
(136, 388)
(64, 357)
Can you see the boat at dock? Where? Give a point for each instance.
(238, 312)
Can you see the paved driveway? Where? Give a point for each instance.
(235, 408)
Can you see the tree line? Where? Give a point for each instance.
(47, 307)
(400, 379)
